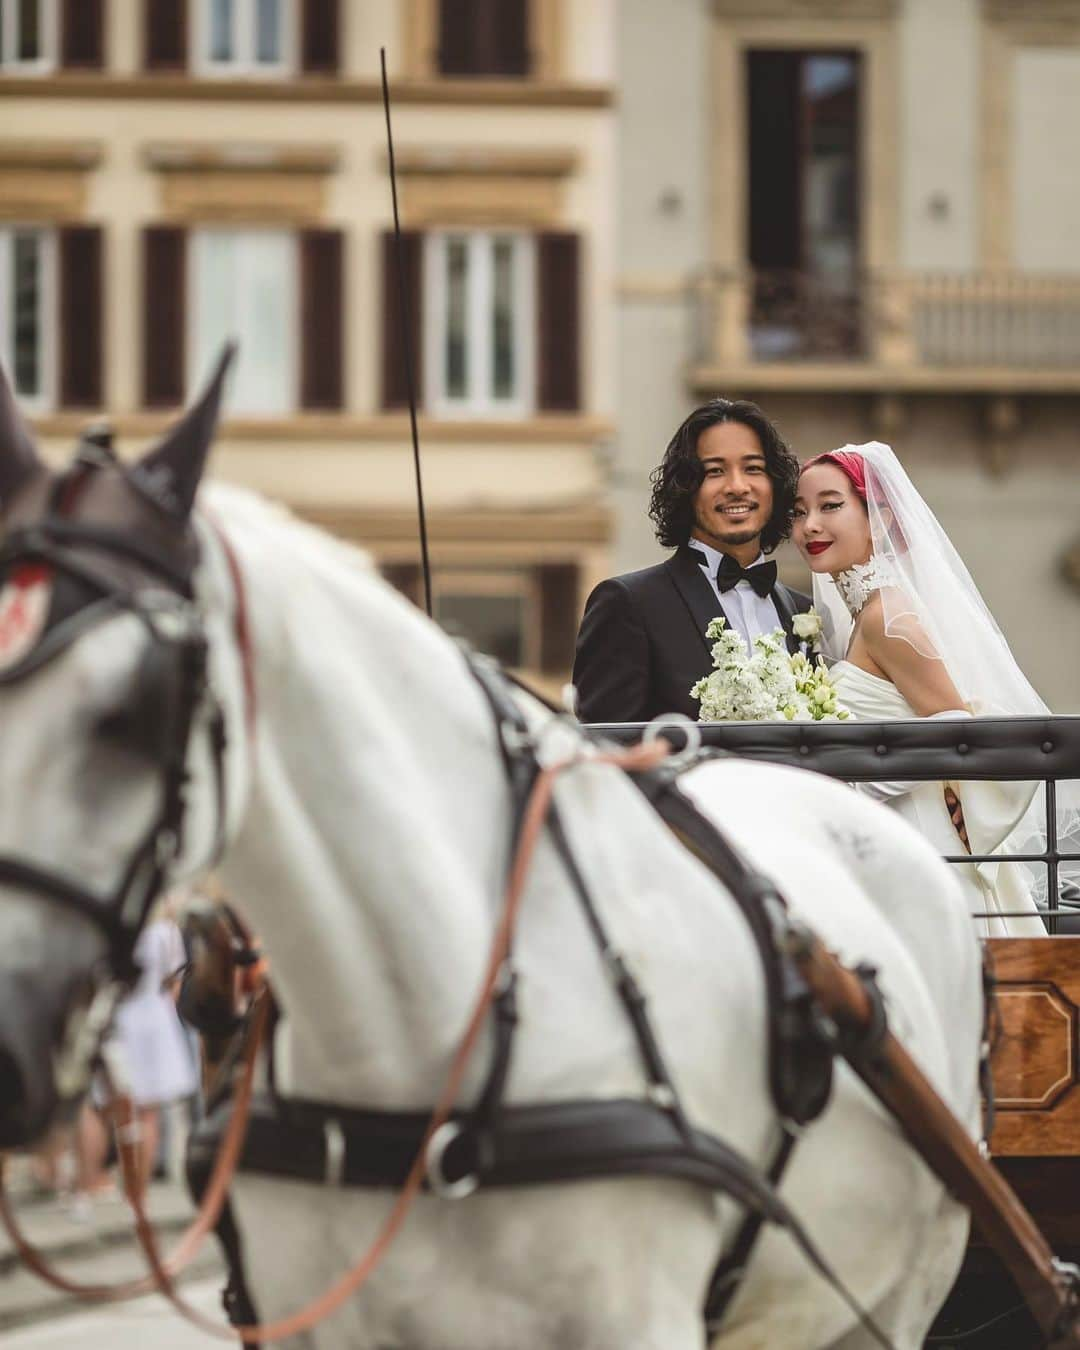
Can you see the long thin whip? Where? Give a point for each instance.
(406, 342)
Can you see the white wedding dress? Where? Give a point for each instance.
(999, 892)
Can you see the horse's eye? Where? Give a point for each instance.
(146, 721)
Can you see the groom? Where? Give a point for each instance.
(723, 497)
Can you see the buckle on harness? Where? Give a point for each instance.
(334, 1138)
(440, 1141)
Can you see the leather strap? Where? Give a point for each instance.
(852, 999)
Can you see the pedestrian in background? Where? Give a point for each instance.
(151, 1039)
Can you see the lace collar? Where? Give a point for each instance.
(858, 583)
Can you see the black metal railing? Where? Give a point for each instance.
(1045, 750)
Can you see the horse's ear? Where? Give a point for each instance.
(18, 454)
(170, 471)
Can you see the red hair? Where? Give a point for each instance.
(851, 464)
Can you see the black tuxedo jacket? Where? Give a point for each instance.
(642, 642)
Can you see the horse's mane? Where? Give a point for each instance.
(256, 515)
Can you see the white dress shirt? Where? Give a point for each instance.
(747, 612)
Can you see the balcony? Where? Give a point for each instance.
(998, 333)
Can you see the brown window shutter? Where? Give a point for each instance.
(559, 614)
(458, 27)
(82, 34)
(320, 37)
(165, 35)
(80, 312)
(509, 28)
(395, 389)
(164, 323)
(406, 578)
(483, 37)
(322, 310)
(559, 322)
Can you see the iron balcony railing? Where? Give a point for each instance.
(1045, 750)
(1002, 319)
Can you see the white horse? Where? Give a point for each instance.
(367, 820)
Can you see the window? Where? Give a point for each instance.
(246, 37)
(479, 324)
(484, 37)
(244, 286)
(495, 611)
(803, 202)
(27, 289)
(27, 35)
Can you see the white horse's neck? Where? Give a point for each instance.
(377, 903)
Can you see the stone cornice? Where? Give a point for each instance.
(452, 161)
(1024, 12)
(240, 157)
(440, 92)
(806, 9)
(59, 155)
(544, 429)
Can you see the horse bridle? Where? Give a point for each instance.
(175, 662)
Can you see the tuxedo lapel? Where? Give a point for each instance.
(785, 608)
(696, 592)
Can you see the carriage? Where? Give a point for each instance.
(1036, 1054)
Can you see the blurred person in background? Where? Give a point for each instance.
(151, 1038)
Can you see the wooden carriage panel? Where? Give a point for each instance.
(1035, 1063)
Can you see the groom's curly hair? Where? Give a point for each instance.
(679, 474)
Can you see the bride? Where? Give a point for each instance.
(911, 637)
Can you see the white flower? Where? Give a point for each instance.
(807, 626)
(766, 684)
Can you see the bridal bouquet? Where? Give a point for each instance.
(768, 686)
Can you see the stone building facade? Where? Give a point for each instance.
(865, 214)
(173, 171)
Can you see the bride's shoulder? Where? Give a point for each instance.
(890, 617)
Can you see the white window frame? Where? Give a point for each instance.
(243, 65)
(479, 401)
(292, 326)
(45, 399)
(47, 61)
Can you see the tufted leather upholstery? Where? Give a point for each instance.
(1002, 748)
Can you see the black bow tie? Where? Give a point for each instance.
(762, 576)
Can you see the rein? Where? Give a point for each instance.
(187, 1248)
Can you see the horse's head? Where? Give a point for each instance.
(111, 740)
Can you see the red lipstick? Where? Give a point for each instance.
(819, 546)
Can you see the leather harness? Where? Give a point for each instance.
(495, 1144)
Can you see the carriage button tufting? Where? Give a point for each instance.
(804, 749)
(1047, 746)
(962, 748)
(881, 749)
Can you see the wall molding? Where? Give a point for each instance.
(239, 157)
(59, 155)
(550, 428)
(481, 93)
(449, 160)
(806, 9)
